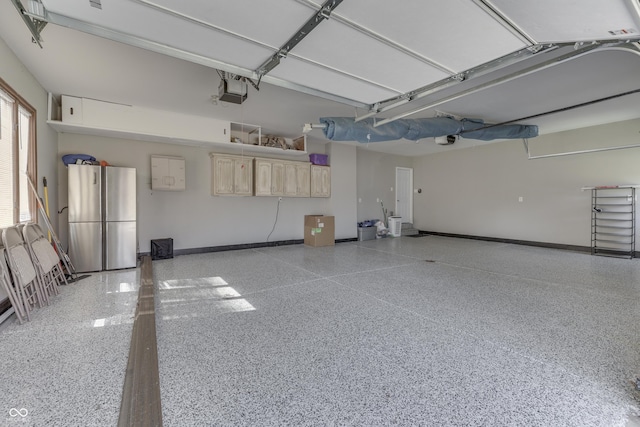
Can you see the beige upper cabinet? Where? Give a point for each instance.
(276, 177)
(302, 179)
(237, 175)
(243, 180)
(320, 181)
(296, 179)
(231, 175)
(290, 183)
(269, 177)
(167, 173)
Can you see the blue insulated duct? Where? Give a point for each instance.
(346, 129)
(477, 129)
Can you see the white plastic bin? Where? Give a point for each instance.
(395, 226)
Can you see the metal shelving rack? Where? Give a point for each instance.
(613, 221)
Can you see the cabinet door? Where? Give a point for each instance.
(159, 173)
(167, 173)
(222, 175)
(326, 181)
(72, 110)
(303, 180)
(243, 176)
(85, 254)
(219, 131)
(85, 193)
(320, 181)
(277, 179)
(263, 177)
(290, 180)
(177, 175)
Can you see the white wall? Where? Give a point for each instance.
(14, 73)
(342, 203)
(194, 218)
(376, 177)
(475, 191)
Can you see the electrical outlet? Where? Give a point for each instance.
(279, 199)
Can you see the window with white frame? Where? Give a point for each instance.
(17, 157)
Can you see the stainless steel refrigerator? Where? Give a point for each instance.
(102, 217)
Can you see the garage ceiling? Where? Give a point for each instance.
(498, 60)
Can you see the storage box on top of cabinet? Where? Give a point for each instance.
(116, 119)
(319, 159)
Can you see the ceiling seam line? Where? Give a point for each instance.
(130, 39)
(505, 21)
(450, 81)
(379, 37)
(195, 58)
(477, 72)
(252, 74)
(394, 45)
(202, 23)
(466, 75)
(309, 25)
(584, 104)
(344, 73)
(501, 80)
(557, 110)
(277, 81)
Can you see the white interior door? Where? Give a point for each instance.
(404, 194)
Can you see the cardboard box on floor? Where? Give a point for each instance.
(319, 230)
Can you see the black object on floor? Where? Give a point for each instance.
(71, 279)
(161, 249)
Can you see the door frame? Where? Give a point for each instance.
(410, 193)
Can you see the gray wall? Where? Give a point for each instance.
(18, 77)
(342, 203)
(376, 178)
(475, 191)
(194, 218)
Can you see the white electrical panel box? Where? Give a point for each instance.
(168, 173)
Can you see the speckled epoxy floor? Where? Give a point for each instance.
(370, 333)
(66, 367)
(364, 333)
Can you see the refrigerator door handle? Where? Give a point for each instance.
(95, 178)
